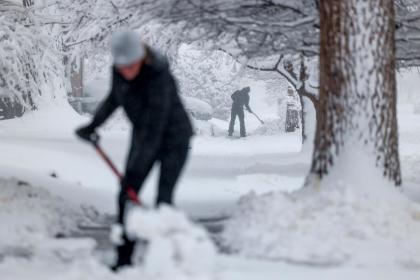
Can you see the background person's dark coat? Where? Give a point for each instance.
(240, 100)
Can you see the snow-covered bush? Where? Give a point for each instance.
(30, 69)
(198, 109)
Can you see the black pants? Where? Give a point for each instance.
(236, 111)
(172, 160)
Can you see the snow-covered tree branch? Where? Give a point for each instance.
(29, 61)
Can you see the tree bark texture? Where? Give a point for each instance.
(357, 102)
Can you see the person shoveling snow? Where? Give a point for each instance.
(240, 99)
(143, 85)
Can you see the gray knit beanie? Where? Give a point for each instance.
(126, 47)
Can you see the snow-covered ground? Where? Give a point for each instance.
(60, 181)
(218, 169)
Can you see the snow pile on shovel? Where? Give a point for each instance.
(367, 222)
(177, 249)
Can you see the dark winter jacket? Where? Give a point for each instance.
(240, 99)
(152, 104)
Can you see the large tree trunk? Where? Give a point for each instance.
(76, 78)
(74, 72)
(357, 105)
(28, 3)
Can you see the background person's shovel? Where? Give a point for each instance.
(261, 121)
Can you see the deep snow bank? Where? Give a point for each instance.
(353, 217)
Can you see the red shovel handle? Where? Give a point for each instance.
(132, 195)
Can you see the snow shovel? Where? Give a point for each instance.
(261, 121)
(132, 195)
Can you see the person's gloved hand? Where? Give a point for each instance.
(249, 110)
(87, 133)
